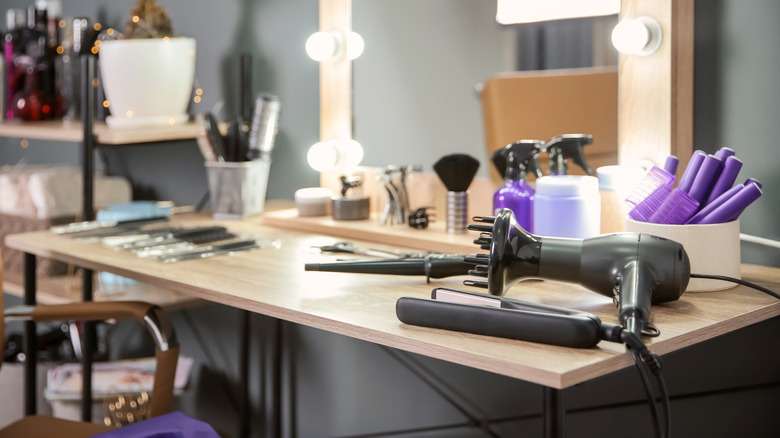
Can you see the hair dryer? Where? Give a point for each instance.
(634, 269)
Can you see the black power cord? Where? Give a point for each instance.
(649, 364)
(738, 281)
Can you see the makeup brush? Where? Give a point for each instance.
(456, 171)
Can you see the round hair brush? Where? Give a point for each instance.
(456, 171)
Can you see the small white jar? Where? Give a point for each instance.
(567, 206)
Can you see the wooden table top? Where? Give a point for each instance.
(272, 281)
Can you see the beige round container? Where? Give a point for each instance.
(713, 249)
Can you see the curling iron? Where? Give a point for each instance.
(634, 269)
(431, 266)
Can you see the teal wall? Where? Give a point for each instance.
(345, 387)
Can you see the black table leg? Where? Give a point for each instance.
(244, 428)
(30, 339)
(554, 413)
(89, 343)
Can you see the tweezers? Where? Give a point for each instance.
(481, 314)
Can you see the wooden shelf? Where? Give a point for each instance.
(72, 131)
(433, 238)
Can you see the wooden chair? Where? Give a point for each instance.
(167, 354)
(544, 104)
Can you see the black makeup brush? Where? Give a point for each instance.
(456, 171)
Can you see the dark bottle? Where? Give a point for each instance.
(38, 99)
(15, 21)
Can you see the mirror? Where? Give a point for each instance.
(410, 111)
(415, 92)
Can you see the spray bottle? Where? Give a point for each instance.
(516, 194)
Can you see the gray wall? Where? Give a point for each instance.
(345, 387)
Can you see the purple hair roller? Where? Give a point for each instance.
(750, 181)
(731, 209)
(690, 171)
(645, 209)
(676, 209)
(710, 207)
(704, 178)
(671, 163)
(724, 153)
(726, 179)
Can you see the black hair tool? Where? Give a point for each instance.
(634, 269)
(525, 151)
(469, 312)
(565, 147)
(431, 266)
(456, 171)
(210, 141)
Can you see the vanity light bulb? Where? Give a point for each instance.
(323, 156)
(327, 156)
(639, 36)
(351, 153)
(355, 45)
(323, 46)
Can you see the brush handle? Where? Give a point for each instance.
(676, 209)
(457, 212)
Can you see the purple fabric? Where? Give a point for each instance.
(173, 425)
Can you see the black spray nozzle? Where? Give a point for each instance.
(565, 147)
(526, 157)
(431, 266)
(632, 268)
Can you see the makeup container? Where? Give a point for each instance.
(567, 206)
(352, 204)
(237, 189)
(615, 184)
(313, 201)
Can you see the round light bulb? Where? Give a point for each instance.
(323, 156)
(639, 36)
(355, 45)
(323, 46)
(351, 153)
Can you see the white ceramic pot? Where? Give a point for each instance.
(148, 82)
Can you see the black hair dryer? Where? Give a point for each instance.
(632, 268)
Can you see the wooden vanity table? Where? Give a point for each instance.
(271, 281)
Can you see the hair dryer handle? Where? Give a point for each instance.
(634, 295)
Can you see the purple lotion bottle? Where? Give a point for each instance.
(516, 194)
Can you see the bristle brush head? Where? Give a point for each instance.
(456, 171)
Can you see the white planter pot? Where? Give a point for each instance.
(148, 82)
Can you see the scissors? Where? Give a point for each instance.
(349, 248)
